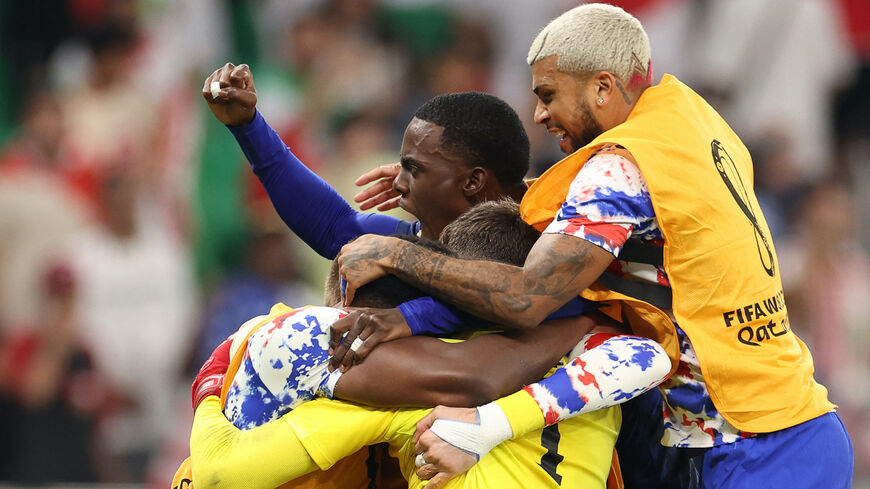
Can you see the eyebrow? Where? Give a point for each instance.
(540, 87)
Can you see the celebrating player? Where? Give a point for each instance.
(654, 214)
(283, 364)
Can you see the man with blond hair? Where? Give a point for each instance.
(653, 214)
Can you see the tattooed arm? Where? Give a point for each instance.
(558, 268)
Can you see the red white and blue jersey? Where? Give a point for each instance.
(604, 369)
(608, 202)
(285, 364)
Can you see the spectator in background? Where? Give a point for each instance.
(40, 210)
(107, 120)
(778, 182)
(268, 276)
(826, 276)
(137, 302)
(51, 393)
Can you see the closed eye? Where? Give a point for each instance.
(410, 165)
(544, 95)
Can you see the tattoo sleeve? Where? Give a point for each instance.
(558, 268)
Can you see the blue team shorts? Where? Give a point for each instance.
(814, 454)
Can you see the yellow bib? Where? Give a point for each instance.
(718, 254)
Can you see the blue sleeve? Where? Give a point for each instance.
(307, 204)
(427, 316)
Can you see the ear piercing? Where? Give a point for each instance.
(600, 101)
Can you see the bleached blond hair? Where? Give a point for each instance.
(595, 37)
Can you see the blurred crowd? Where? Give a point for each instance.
(134, 238)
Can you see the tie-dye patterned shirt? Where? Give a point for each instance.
(284, 364)
(607, 203)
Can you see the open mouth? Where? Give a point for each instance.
(559, 133)
(564, 141)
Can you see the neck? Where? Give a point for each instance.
(623, 108)
(498, 191)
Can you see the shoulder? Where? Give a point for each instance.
(614, 149)
(612, 167)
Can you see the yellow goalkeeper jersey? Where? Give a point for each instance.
(574, 453)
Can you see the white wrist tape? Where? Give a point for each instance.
(492, 427)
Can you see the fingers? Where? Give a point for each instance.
(206, 86)
(381, 191)
(241, 88)
(339, 328)
(384, 171)
(349, 292)
(363, 260)
(222, 77)
(225, 72)
(376, 194)
(341, 351)
(423, 426)
(390, 204)
(373, 337)
(346, 352)
(246, 98)
(241, 77)
(382, 185)
(438, 481)
(236, 85)
(426, 472)
(442, 460)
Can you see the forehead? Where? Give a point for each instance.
(422, 142)
(546, 73)
(420, 133)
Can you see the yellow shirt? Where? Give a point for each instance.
(332, 435)
(352, 472)
(323, 431)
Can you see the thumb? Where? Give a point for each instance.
(423, 425)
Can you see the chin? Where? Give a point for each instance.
(568, 147)
(405, 207)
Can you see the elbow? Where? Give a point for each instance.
(520, 319)
(521, 312)
(208, 473)
(661, 364)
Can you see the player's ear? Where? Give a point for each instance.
(475, 182)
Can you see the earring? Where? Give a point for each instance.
(600, 101)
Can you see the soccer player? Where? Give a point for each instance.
(458, 150)
(655, 164)
(284, 365)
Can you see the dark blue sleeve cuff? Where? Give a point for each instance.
(577, 306)
(426, 316)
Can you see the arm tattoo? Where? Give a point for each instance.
(504, 293)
